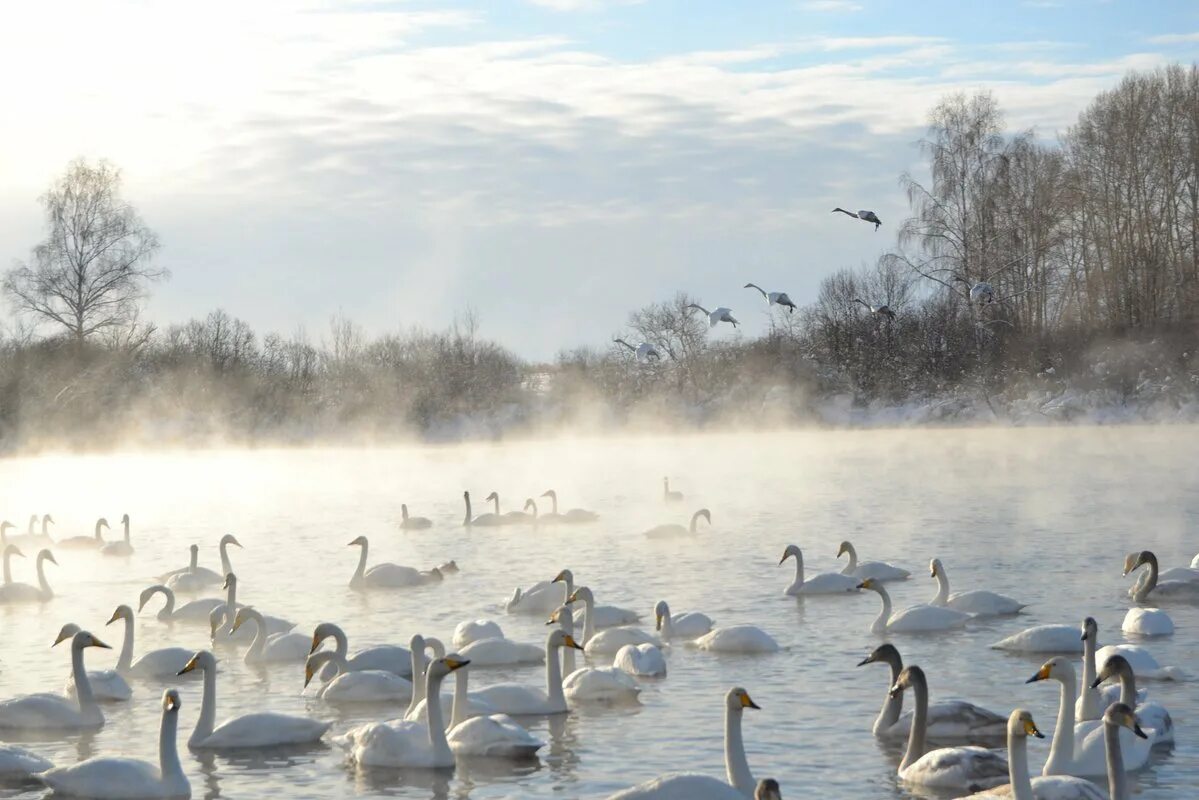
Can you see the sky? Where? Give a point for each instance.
(549, 164)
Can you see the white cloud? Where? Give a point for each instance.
(831, 6)
(1174, 38)
(583, 5)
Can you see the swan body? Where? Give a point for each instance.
(120, 548)
(501, 652)
(915, 619)
(194, 611)
(599, 684)
(604, 616)
(947, 721)
(608, 641)
(1152, 715)
(643, 351)
(161, 663)
(1142, 661)
(53, 711)
(127, 778)
(202, 575)
(865, 216)
(261, 729)
(717, 315)
(1147, 622)
(739, 783)
(878, 570)
(1151, 582)
(107, 685)
(773, 298)
(674, 529)
(737, 639)
(485, 735)
(93, 542)
(512, 698)
(277, 648)
(671, 496)
(386, 576)
(473, 630)
(824, 583)
(221, 619)
(413, 523)
(1042, 639)
(481, 521)
(1046, 787)
(977, 603)
(25, 593)
(17, 763)
(574, 516)
(357, 686)
(690, 625)
(384, 658)
(948, 767)
(642, 660)
(982, 293)
(540, 598)
(404, 743)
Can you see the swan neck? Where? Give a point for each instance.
(853, 560)
(554, 502)
(341, 644)
(125, 660)
(466, 499)
(588, 619)
(735, 764)
(1117, 781)
(230, 607)
(799, 569)
(1090, 695)
(880, 624)
(919, 730)
(942, 588)
(7, 566)
(83, 687)
(892, 704)
(458, 709)
(207, 719)
(41, 577)
(258, 647)
(496, 500)
(567, 624)
(168, 750)
(99, 538)
(193, 562)
(1017, 765)
(1061, 749)
(436, 722)
(226, 564)
(419, 664)
(360, 572)
(1128, 688)
(553, 678)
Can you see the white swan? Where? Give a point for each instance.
(120, 548)
(10, 550)
(980, 603)
(1042, 639)
(642, 660)
(601, 685)
(1147, 622)
(481, 521)
(717, 315)
(1151, 714)
(501, 652)
(260, 729)
(509, 517)
(18, 764)
(413, 523)
(53, 711)
(643, 352)
(540, 598)
(1045, 787)
(865, 216)
(92, 542)
(573, 516)
(470, 630)
(947, 721)
(879, 570)
(222, 617)
(202, 575)
(883, 310)
(609, 640)
(25, 593)
(386, 575)
(275, 648)
(671, 496)
(387, 657)
(1093, 698)
(914, 619)
(605, 616)
(127, 778)
(357, 686)
(194, 611)
(107, 684)
(1073, 751)
(948, 767)
(31, 538)
(485, 735)
(564, 617)
(161, 663)
(739, 782)
(404, 743)
(674, 529)
(737, 639)
(1150, 582)
(773, 298)
(514, 698)
(824, 583)
(1142, 661)
(688, 625)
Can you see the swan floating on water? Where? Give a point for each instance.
(413, 523)
(23, 592)
(609, 640)
(674, 529)
(1142, 661)
(387, 658)
(573, 516)
(222, 617)
(1150, 582)
(275, 648)
(739, 782)
(473, 630)
(966, 767)
(914, 619)
(31, 538)
(605, 616)
(17, 763)
(1042, 639)
(642, 660)
(93, 542)
(195, 611)
(386, 575)
(878, 570)
(107, 684)
(1045, 787)
(1151, 714)
(53, 711)
(1147, 622)
(483, 520)
(260, 729)
(602, 684)
(947, 721)
(125, 778)
(202, 576)
(514, 698)
(161, 663)
(355, 686)
(498, 651)
(688, 625)
(979, 603)
(120, 548)
(1093, 698)
(737, 639)
(485, 735)
(671, 496)
(824, 583)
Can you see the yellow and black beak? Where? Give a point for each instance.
(746, 702)
(1136, 728)
(658, 623)
(866, 584)
(569, 641)
(1030, 729)
(188, 667)
(308, 673)
(456, 663)
(573, 597)
(315, 644)
(97, 643)
(1041, 675)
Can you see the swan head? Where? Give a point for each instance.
(68, 632)
(909, 677)
(661, 612)
(1020, 723)
(565, 576)
(738, 699)
(194, 549)
(530, 503)
(359, 542)
(124, 519)
(846, 547)
(171, 702)
(562, 614)
(792, 551)
(244, 613)
(1090, 629)
(84, 639)
(13, 550)
(229, 538)
(417, 643)
(147, 593)
(102, 523)
(1114, 667)
(492, 496)
(934, 567)
(5, 525)
(315, 662)
(49, 520)
(871, 583)
(582, 594)
(441, 667)
(550, 493)
(1134, 560)
(886, 653)
(121, 612)
(46, 555)
(1057, 667)
(768, 789)
(202, 660)
(322, 632)
(560, 638)
(1121, 715)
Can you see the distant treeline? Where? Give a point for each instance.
(1090, 244)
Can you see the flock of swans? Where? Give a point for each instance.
(1106, 726)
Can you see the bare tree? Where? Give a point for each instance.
(92, 269)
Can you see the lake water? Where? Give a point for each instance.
(1043, 515)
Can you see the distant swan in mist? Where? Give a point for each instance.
(386, 575)
(272, 648)
(979, 602)
(413, 523)
(121, 548)
(644, 351)
(385, 658)
(671, 496)
(915, 619)
(108, 685)
(715, 317)
(879, 311)
(879, 570)
(573, 516)
(773, 298)
(10, 550)
(510, 517)
(202, 576)
(85, 542)
(24, 592)
(674, 529)
(824, 583)
(865, 216)
(32, 538)
(483, 520)
(196, 611)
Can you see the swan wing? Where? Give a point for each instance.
(612, 616)
(1049, 787)
(881, 571)
(383, 658)
(107, 686)
(1043, 639)
(919, 619)
(498, 652)
(645, 660)
(680, 787)
(830, 583)
(514, 698)
(984, 604)
(495, 736)
(599, 684)
(738, 639)
(367, 686)
(163, 663)
(607, 642)
(104, 778)
(958, 768)
(388, 744)
(1147, 622)
(473, 630)
(39, 711)
(17, 762)
(391, 576)
(265, 729)
(690, 625)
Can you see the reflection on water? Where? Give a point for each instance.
(1044, 516)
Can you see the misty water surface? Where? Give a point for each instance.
(1042, 515)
